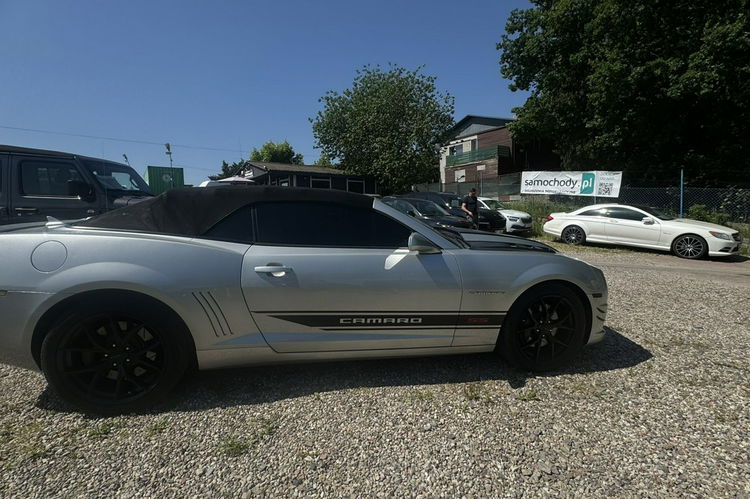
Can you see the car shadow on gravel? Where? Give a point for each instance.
(265, 384)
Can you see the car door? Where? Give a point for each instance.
(331, 277)
(626, 226)
(43, 189)
(4, 183)
(595, 222)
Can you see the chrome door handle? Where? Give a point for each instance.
(23, 209)
(276, 270)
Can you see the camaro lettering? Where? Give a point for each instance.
(380, 320)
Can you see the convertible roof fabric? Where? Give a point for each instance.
(192, 211)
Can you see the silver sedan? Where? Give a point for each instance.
(115, 309)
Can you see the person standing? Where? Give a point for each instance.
(471, 207)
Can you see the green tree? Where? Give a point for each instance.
(271, 152)
(324, 160)
(389, 124)
(228, 170)
(644, 86)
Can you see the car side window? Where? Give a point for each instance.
(236, 227)
(328, 225)
(624, 214)
(601, 212)
(47, 178)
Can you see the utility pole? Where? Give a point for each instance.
(171, 169)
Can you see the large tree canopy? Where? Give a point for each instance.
(645, 86)
(390, 124)
(271, 152)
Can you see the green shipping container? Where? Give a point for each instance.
(163, 178)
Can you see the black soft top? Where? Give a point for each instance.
(191, 211)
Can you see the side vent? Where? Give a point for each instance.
(213, 312)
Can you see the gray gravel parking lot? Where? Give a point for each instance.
(660, 408)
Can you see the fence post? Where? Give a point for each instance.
(682, 190)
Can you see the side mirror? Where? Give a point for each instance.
(422, 245)
(411, 213)
(647, 221)
(80, 189)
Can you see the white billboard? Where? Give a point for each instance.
(596, 183)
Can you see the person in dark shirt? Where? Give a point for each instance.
(471, 207)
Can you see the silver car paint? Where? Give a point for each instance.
(225, 303)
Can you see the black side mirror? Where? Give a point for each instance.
(81, 189)
(411, 213)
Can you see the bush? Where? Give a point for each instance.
(701, 212)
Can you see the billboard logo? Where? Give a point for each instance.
(587, 183)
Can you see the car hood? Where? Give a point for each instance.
(480, 240)
(513, 213)
(681, 222)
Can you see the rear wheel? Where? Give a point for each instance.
(573, 234)
(544, 329)
(113, 359)
(690, 246)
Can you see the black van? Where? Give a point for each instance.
(35, 183)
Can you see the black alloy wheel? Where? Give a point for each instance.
(545, 328)
(114, 361)
(573, 234)
(690, 246)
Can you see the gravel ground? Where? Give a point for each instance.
(660, 408)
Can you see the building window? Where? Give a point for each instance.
(320, 182)
(457, 149)
(460, 175)
(353, 185)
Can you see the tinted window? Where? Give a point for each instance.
(327, 224)
(601, 212)
(237, 227)
(47, 178)
(624, 214)
(401, 206)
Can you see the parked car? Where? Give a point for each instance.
(645, 228)
(489, 220)
(428, 212)
(515, 221)
(35, 184)
(115, 309)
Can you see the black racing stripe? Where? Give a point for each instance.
(394, 320)
(374, 312)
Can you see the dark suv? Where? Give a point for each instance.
(489, 220)
(427, 211)
(35, 183)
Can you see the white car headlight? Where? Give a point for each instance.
(720, 235)
(513, 219)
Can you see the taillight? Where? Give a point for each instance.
(549, 217)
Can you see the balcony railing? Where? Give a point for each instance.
(478, 155)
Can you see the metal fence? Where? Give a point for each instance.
(719, 205)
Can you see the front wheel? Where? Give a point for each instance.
(690, 246)
(111, 360)
(544, 329)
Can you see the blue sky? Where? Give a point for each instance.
(227, 75)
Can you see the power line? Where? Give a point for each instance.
(114, 139)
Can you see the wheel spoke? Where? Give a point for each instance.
(89, 369)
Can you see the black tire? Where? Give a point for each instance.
(545, 328)
(689, 246)
(573, 234)
(116, 358)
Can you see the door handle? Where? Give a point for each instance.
(275, 270)
(22, 209)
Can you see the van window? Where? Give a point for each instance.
(47, 178)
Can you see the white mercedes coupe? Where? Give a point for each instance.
(644, 228)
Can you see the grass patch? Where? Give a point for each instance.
(420, 396)
(104, 430)
(473, 391)
(528, 396)
(235, 446)
(158, 427)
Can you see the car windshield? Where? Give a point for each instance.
(113, 176)
(452, 236)
(655, 213)
(430, 209)
(494, 205)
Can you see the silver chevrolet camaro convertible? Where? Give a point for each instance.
(116, 308)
